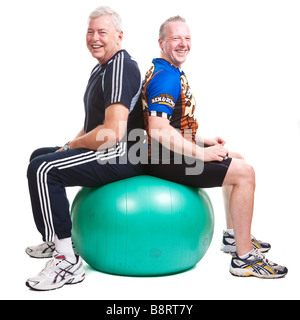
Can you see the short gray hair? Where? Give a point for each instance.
(162, 30)
(107, 11)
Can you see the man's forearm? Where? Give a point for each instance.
(201, 141)
(99, 138)
(105, 135)
(171, 139)
(80, 134)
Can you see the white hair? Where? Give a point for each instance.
(107, 11)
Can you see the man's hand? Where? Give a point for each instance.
(215, 153)
(214, 141)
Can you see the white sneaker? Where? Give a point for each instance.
(44, 250)
(57, 273)
(256, 265)
(228, 244)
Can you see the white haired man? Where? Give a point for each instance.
(112, 110)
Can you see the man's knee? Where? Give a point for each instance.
(36, 154)
(249, 173)
(37, 159)
(42, 151)
(240, 172)
(33, 167)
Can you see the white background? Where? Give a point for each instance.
(244, 70)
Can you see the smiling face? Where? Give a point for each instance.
(176, 44)
(103, 40)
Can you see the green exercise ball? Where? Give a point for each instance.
(142, 226)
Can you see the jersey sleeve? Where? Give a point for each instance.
(121, 82)
(162, 93)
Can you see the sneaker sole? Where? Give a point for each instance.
(73, 280)
(245, 273)
(36, 256)
(227, 248)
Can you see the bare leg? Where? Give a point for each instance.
(240, 202)
(227, 190)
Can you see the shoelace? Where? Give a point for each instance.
(50, 265)
(259, 255)
(262, 257)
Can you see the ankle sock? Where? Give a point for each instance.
(65, 247)
(246, 256)
(230, 232)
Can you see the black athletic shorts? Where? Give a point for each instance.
(191, 172)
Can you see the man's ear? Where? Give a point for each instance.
(120, 37)
(160, 42)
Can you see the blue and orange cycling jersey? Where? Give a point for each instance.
(166, 93)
